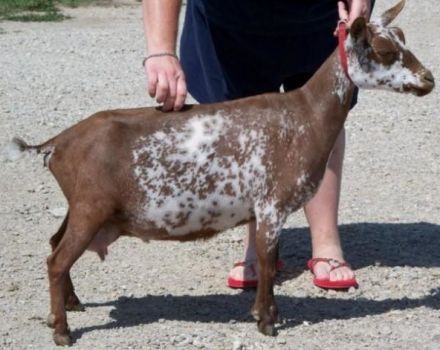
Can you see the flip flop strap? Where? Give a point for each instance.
(249, 264)
(334, 263)
(253, 263)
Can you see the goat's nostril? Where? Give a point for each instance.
(429, 77)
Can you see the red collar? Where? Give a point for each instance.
(342, 36)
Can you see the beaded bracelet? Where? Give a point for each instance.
(161, 54)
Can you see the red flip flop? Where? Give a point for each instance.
(247, 284)
(325, 282)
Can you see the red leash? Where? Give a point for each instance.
(342, 36)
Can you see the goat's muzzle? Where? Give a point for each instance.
(427, 84)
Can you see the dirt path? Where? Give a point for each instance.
(169, 295)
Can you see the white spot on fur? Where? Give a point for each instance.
(342, 84)
(268, 214)
(159, 135)
(203, 131)
(302, 179)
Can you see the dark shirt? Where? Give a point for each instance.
(271, 17)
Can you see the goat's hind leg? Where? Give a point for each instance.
(265, 310)
(85, 219)
(72, 302)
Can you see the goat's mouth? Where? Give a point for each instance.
(424, 88)
(421, 90)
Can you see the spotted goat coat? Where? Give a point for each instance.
(193, 173)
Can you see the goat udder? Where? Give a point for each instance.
(105, 236)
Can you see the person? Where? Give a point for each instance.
(232, 49)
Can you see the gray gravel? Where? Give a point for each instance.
(173, 296)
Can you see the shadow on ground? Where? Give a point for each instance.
(365, 244)
(223, 308)
(413, 244)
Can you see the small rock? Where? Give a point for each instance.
(58, 212)
(197, 342)
(436, 340)
(237, 345)
(13, 287)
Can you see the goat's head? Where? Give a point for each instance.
(379, 58)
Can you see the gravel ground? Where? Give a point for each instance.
(172, 295)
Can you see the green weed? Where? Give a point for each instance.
(39, 10)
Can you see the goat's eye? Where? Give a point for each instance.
(387, 53)
(387, 56)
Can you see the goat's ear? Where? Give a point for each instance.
(358, 30)
(389, 15)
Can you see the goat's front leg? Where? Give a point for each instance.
(265, 310)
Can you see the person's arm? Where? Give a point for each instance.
(356, 8)
(165, 77)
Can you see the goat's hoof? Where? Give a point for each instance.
(75, 307)
(62, 339)
(255, 314)
(50, 321)
(73, 303)
(266, 328)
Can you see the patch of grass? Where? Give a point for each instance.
(30, 10)
(77, 3)
(37, 17)
(40, 10)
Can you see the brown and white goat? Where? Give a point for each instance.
(191, 174)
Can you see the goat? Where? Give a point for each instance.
(191, 174)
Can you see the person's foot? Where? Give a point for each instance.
(326, 270)
(331, 273)
(243, 275)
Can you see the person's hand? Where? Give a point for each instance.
(355, 9)
(166, 82)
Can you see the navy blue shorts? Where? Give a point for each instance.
(232, 49)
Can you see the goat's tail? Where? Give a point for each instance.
(17, 146)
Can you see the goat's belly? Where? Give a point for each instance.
(179, 217)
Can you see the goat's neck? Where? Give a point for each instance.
(329, 93)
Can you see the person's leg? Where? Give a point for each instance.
(247, 270)
(322, 214)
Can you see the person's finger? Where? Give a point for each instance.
(343, 11)
(152, 82)
(162, 88)
(343, 14)
(356, 10)
(180, 93)
(172, 88)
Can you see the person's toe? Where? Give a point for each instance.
(341, 274)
